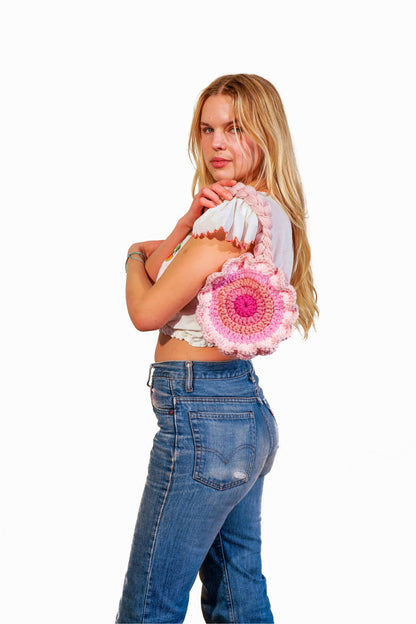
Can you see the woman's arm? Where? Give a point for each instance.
(164, 250)
(207, 197)
(151, 306)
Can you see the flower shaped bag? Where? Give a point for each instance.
(248, 307)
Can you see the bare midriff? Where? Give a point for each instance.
(168, 349)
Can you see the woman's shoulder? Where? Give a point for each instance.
(279, 214)
(235, 217)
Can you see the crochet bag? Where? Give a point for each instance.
(248, 307)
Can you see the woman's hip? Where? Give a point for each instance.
(213, 421)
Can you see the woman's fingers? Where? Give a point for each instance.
(209, 193)
(209, 203)
(210, 196)
(218, 191)
(221, 189)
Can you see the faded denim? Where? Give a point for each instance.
(201, 505)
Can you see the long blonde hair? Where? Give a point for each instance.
(260, 114)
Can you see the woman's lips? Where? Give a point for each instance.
(218, 163)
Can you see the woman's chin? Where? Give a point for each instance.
(222, 174)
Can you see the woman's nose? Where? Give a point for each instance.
(218, 140)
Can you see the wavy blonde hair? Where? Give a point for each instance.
(259, 112)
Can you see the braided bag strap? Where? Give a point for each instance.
(259, 205)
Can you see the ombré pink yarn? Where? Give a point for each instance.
(248, 307)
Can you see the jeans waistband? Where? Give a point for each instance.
(190, 370)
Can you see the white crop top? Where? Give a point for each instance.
(240, 225)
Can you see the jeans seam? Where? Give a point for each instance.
(227, 580)
(149, 569)
(271, 437)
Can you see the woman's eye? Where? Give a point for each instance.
(235, 130)
(206, 130)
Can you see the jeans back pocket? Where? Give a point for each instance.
(225, 447)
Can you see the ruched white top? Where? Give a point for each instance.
(240, 224)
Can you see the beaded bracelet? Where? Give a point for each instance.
(142, 258)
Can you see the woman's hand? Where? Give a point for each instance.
(146, 247)
(208, 197)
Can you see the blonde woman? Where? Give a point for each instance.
(217, 437)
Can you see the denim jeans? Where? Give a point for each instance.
(200, 509)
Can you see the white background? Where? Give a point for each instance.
(96, 106)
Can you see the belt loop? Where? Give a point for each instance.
(189, 376)
(150, 377)
(250, 372)
(253, 380)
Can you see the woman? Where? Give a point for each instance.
(217, 437)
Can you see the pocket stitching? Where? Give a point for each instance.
(198, 447)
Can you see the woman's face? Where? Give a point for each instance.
(226, 155)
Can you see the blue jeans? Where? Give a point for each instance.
(200, 509)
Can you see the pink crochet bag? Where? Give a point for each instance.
(249, 307)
